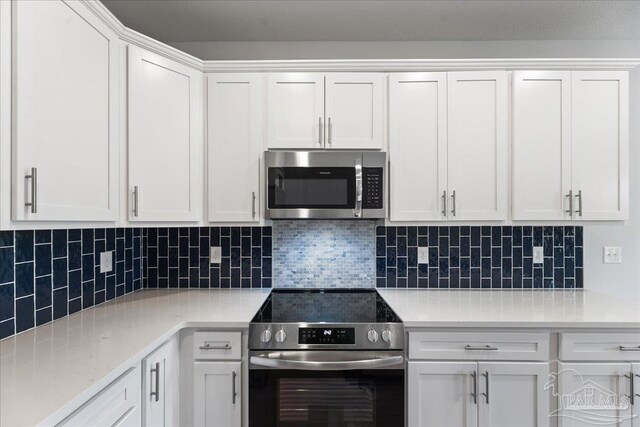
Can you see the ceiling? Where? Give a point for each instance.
(347, 20)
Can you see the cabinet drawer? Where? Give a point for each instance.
(217, 345)
(600, 346)
(478, 346)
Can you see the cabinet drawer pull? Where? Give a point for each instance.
(444, 203)
(253, 204)
(233, 387)
(632, 395)
(570, 210)
(474, 394)
(453, 203)
(135, 201)
(215, 347)
(623, 348)
(486, 395)
(480, 347)
(33, 204)
(579, 197)
(155, 371)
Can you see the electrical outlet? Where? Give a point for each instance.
(216, 255)
(423, 255)
(106, 262)
(538, 254)
(612, 255)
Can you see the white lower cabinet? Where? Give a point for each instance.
(447, 394)
(217, 394)
(116, 405)
(161, 386)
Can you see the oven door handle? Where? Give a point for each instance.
(310, 365)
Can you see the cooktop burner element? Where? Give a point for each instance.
(337, 319)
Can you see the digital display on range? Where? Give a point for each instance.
(326, 336)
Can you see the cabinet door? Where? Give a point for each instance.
(65, 100)
(295, 114)
(600, 144)
(418, 146)
(234, 146)
(217, 394)
(477, 132)
(160, 387)
(165, 138)
(541, 145)
(117, 405)
(441, 394)
(594, 394)
(354, 110)
(513, 394)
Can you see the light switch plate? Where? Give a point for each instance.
(423, 255)
(538, 254)
(216, 255)
(612, 255)
(106, 262)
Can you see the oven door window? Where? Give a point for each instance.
(311, 188)
(356, 398)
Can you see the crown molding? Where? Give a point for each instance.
(133, 37)
(399, 65)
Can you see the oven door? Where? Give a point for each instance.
(314, 185)
(326, 388)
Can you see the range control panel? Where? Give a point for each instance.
(372, 188)
(326, 336)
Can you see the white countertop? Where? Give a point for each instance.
(58, 366)
(63, 363)
(515, 308)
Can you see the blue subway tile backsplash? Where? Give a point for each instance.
(48, 274)
(477, 257)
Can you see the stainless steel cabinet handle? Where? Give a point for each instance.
(453, 203)
(444, 203)
(33, 204)
(579, 197)
(357, 212)
(486, 395)
(233, 387)
(329, 132)
(253, 204)
(215, 347)
(632, 395)
(480, 347)
(389, 183)
(570, 196)
(155, 371)
(320, 130)
(638, 394)
(623, 348)
(135, 201)
(474, 394)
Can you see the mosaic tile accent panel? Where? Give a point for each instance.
(179, 257)
(49, 274)
(324, 254)
(480, 257)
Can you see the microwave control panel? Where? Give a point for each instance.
(372, 188)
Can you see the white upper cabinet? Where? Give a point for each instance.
(418, 146)
(541, 145)
(570, 145)
(477, 145)
(354, 110)
(295, 113)
(65, 105)
(600, 145)
(318, 111)
(165, 139)
(234, 127)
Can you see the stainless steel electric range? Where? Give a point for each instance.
(326, 357)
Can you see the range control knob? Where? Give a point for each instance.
(372, 335)
(265, 336)
(387, 335)
(281, 335)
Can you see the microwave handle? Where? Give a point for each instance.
(357, 212)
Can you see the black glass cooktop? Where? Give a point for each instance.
(325, 305)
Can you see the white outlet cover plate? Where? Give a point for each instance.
(106, 262)
(538, 254)
(612, 255)
(423, 255)
(216, 255)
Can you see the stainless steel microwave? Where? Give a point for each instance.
(325, 184)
